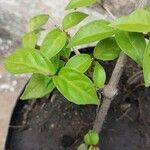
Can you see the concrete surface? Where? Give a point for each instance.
(13, 19)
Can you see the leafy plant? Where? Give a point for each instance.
(80, 77)
(91, 139)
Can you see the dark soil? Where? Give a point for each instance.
(56, 124)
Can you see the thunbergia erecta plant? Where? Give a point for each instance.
(79, 78)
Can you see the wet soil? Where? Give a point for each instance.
(56, 124)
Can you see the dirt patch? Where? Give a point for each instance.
(52, 124)
(56, 124)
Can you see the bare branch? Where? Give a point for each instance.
(109, 92)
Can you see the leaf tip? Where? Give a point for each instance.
(23, 97)
(147, 84)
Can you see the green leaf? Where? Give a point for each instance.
(62, 63)
(38, 86)
(56, 61)
(27, 60)
(93, 148)
(79, 62)
(91, 138)
(146, 65)
(138, 21)
(76, 87)
(65, 52)
(99, 76)
(29, 40)
(38, 21)
(79, 3)
(91, 32)
(147, 7)
(83, 147)
(53, 43)
(107, 49)
(73, 19)
(133, 44)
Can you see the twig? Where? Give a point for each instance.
(16, 126)
(125, 114)
(76, 51)
(101, 3)
(134, 78)
(110, 90)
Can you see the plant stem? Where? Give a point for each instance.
(110, 90)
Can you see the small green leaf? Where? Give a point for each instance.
(76, 87)
(99, 76)
(53, 43)
(91, 138)
(83, 147)
(138, 21)
(93, 148)
(56, 61)
(133, 44)
(27, 60)
(91, 32)
(39, 85)
(146, 65)
(38, 21)
(29, 40)
(79, 62)
(65, 52)
(79, 3)
(107, 49)
(73, 19)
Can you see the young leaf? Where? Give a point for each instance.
(107, 49)
(91, 32)
(93, 148)
(27, 60)
(83, 147)
(39, 85)
(99, 76)
(138, 21)
(79, 62)
(73, 19)
(53, 43)
(29, 40)
(37, 22)
(76, 87)
(79, 3)
(91, 138)
(133, 44)
(146, 65)
(65, 52)
(56, 61)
